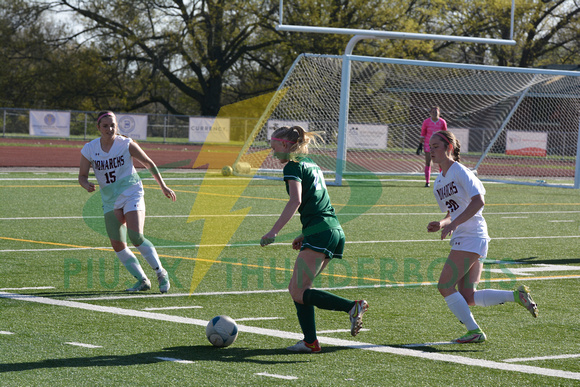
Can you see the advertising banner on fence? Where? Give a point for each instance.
(365, 136)
(526, 143)
(202, 129)
(49, 123)
(272, 125)
(463, 136)
(133, 125)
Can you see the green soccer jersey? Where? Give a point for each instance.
(315, 208)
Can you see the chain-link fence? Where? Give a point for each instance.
(160, 127)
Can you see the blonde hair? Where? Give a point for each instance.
(450, 139)
(298, 137)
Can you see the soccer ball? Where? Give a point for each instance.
(227, 170)
(221, 331)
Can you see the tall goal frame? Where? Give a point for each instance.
(492, 104)
(345, 97)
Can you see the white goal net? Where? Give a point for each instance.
(514, 124)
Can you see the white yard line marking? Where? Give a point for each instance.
(83, 345)
(555, 357)
(259, 318)
(511, 215)
(6, 333)
(175, 360)
(298, 336)
(176, 295)
(340, 330)
(538, 268)
(285, 377)
(561, 221)
(30, 288)
(283, 244)
(495, 280)
(175, 307)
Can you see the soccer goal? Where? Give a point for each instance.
(514, 124)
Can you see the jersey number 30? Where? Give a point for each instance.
(452, 205)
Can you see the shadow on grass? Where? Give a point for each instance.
(196, 353)
(536, 261)
(445, 348)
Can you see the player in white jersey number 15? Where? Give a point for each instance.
(111, 157)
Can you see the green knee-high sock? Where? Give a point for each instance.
(305, 315)
(325, 300)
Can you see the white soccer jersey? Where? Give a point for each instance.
(114, 170)
(454, 192)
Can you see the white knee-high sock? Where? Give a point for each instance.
(460, 309)
(150, 254)
(129, 260)
(490, 297)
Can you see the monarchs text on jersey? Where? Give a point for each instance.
(454, 192)
(114, 170)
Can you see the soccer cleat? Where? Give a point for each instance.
(303, 347)
(356, 315)
(427, 185)
(523, 297)
(163, 279)
(140, 286)
(474, 336)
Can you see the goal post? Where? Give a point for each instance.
(516, 125)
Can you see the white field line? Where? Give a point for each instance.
(285, 377)
(298, 336)
(512, 215)
(6, 333)
(285, 244)
(175, 360)
(30, 288)
(555, 357)
(83, 345)
(175, 307)
(237, 293)
(561, 221)
(536, 268)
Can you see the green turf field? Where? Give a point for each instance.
(66, 320)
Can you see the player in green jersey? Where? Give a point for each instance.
(322, 237)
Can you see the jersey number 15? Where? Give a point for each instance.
(110, 177)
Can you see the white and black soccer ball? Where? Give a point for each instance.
(221, 331)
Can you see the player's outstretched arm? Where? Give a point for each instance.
(140, 155)
(295, 191)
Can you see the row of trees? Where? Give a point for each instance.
(192, 57)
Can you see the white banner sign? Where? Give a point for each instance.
(48, 123)
(133, 125)
(463, 136)
(526, 143)
(202, 129)
(273, 125)
(365, 136)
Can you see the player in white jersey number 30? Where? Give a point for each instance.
(460, 193)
